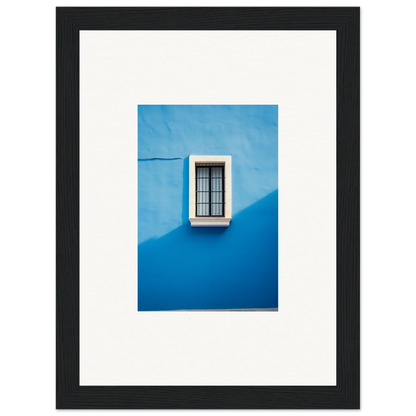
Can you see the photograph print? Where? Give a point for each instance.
(208, 208)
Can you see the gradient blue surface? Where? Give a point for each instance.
(180, 267)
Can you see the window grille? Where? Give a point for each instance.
(210, 190)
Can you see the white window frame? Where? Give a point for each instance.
(210, 221)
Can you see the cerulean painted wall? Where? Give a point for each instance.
(180, 267)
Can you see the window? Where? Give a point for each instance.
(210, 191)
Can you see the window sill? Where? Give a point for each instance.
(210, 221)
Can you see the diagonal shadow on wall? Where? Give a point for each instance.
(214, 268)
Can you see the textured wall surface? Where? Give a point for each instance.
(180, 267)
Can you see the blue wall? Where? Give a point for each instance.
(180, 267)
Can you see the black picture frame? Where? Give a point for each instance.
(346, 22)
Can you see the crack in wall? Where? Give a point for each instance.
(160, 158)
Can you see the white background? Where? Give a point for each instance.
(296, 70)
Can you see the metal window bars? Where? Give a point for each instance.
(210, 190)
